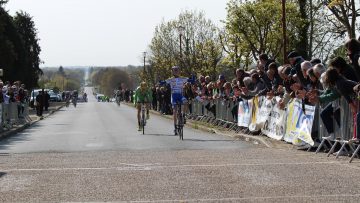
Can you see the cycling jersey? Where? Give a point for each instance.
(142, 97)
(177, 85)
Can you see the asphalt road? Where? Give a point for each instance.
(94, 153)
(103, 126)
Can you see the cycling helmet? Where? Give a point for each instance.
(175, 68)
(143, 85)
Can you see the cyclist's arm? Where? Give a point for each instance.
(163, 82)
(150, 96)
(136, 95)
(192, 80)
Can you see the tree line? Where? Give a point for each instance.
(19, 48)
(106, 80)
(315, 29)
(62, 79)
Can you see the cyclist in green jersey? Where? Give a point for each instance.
(142, 95)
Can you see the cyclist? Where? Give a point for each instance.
(75, 96)
(142, 95)
(85, 97)
(177, 84)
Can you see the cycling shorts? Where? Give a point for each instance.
(177, 98)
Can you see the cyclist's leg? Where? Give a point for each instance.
(174, 99)
(138, 106)
(147, 110)
(184, 107)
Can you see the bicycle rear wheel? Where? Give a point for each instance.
(181, 131)
(143, 122)
(180, 125)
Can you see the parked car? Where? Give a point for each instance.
(53, 96)
(100, 97)
(34, 93)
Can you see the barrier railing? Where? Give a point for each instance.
(223, 113)
(14, 114)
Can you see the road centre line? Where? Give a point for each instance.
(150, 166)
(253, 198)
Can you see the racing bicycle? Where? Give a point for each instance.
(143, 117)
(179, 126)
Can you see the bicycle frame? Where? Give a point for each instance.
(142, 117)
(179, 121)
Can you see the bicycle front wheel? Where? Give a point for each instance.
(181, 131)
(143, 122)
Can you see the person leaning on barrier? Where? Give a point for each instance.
(315, 61)
(353, 52)
(357, 118)
(240, 75)
(254, 86)
(265, 61)
(337, 86)
(275, 81)
(285, 88)
(295, 60)
(343, 68)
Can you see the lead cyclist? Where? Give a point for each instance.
(177, 85)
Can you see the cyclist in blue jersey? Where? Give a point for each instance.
(177, 84)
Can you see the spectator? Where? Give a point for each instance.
(305, 66)
(46, 100)
(337, 85)
(343, 68)
(275, 80)
(315, 61)
(40, 103)
(353, 52)
(2, 94)
(22, 100)
(240, 75)
(264, 61)
(295, 60)
(154, 101)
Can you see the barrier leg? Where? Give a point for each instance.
(320, 146)
(355, 153)
(341, 149)
(332, 148)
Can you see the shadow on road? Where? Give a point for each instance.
(2, 174)
(160, 135)
(199, 140)
(7, 142)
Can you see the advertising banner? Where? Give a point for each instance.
(244, 113)
(264, 112)
(274, 127)
(304, 125)
(253, 127)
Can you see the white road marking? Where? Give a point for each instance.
(253, 198)
(94, 145)
(147, 166)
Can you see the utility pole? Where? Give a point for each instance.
(144, 53)
(284, 29)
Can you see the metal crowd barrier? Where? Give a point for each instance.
(218, 112)
(14, 114)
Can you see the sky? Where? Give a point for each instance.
(104, 32)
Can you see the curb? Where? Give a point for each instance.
(200, 126)
(14, 131)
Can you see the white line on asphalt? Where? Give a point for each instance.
(158, 166)
(252, 198)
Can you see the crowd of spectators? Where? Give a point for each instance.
(14, 93)
(310, 80)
